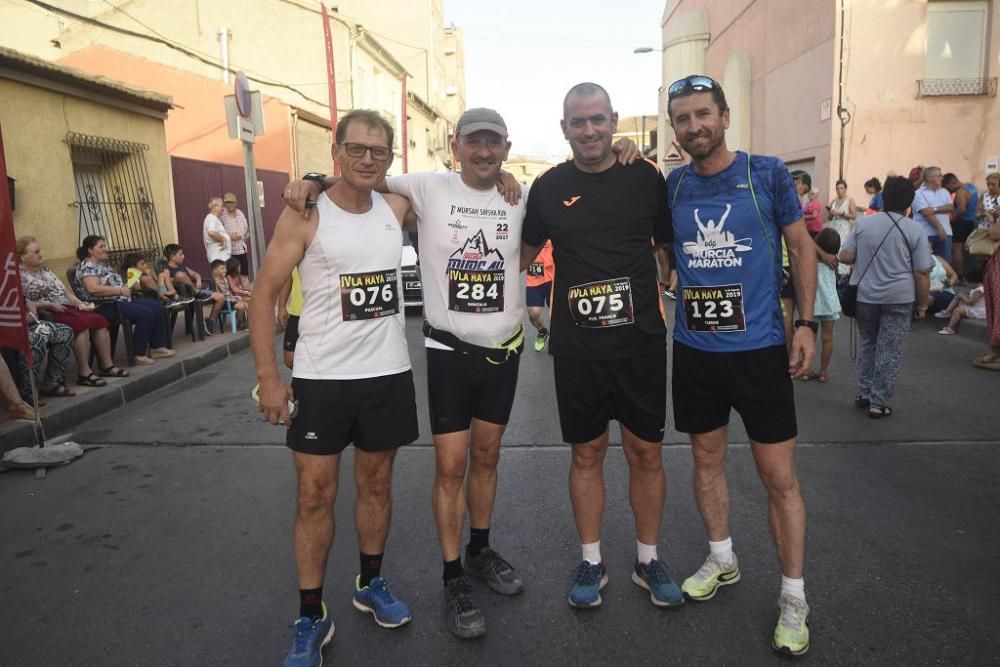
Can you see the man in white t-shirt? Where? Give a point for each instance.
(931, 208)
(214, 234)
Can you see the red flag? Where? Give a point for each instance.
(13, 327)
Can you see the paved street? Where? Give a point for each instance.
(170, 545)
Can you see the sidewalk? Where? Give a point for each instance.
(60, 415)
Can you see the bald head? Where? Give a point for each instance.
(585, 89)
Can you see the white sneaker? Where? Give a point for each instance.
(947, 331)
(703, 584)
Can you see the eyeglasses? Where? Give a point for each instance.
(698, 83)
(358, 150)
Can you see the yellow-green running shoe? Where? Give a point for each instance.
(703, 584)
(540, 339)
(791, 634)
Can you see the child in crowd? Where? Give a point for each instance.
(827, 307)
(971, 305)
(188, 281)
(239, 284)
(139, 276)
(223, 286)
(813, 213)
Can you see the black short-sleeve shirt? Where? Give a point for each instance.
(602, 226)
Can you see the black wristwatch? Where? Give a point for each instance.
(315, 176)
(812, 324)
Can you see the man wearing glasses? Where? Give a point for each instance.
(608, 337)
(730, 212)
(351, 377)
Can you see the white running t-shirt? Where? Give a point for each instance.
(470, 254)
(352, 323)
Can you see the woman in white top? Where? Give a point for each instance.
(214, 234)
(843, 213)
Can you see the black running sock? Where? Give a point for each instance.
(371, 567)
(479, 539)
(453, 569)
(311, 603)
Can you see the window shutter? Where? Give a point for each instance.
(955, 40)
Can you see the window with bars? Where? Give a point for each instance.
(113, 195)
(955, 49)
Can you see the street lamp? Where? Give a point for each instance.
(644, 49)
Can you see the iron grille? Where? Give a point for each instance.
(937, 87)
(113, 195)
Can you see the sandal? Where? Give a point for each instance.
(90, 381)
(58, 391)
(113, 372)
(862, 402)
(809, 375)
(879, 411)
(823, 377)
(22, 411)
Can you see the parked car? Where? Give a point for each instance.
(413, 295)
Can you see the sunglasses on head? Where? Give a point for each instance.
(698, 83)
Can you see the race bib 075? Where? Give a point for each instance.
(366, 296)
(604, 303)
(714, 308)
(475, 291)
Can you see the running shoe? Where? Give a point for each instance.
(588, 580)
(947, 331)
(540, 339)
(461, 614)
(703, 584)
(653, 576)
(377, 600)
(942, 314)
(310, 638)
(203, 296)
(670, 294)
(495, 571)
(791, 634)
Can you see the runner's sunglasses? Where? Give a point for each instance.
(698, 83)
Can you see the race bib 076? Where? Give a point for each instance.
(714, 308)
(604, 303)
(475, 291)
(366, 296)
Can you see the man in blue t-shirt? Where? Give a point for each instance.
(730, 213)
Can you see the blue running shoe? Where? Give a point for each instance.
(310, 638)
(663, 592)
(377, 600)
(588, 580)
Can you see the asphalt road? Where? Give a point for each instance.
(170, 545)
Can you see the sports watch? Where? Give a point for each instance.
(315, 176)
(812, 324)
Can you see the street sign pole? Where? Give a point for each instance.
(243, 126)
(253, 207)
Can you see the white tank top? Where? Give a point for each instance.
(352, 323)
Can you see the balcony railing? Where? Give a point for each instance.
(939, 87)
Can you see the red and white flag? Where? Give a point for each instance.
(13, 328)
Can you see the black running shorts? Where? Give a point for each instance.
(376, 414)
(462, 386)
(592, 392)
(960, 230)
(538, 296)
(291, 333)
(706, 386)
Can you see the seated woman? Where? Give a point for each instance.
(47, 291)
(943, 277)
(50, 349)
(17, 408)
(96, 280)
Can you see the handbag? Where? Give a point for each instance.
(849, 296)
(979, 243)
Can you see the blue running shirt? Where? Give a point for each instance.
(728, 256)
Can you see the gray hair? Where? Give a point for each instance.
(213, 202)
(929, 171)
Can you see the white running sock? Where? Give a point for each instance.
(794, 587)
(722, 550)
(645, 552)
(592, 552)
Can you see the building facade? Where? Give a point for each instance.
(857, 88)
(89, 156)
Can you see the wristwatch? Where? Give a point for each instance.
(812, 324)
(316, 177)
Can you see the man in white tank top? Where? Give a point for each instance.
(469, 244)
(351, 377)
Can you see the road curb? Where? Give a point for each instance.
(62, 416)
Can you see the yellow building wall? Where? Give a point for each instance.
(35, 122)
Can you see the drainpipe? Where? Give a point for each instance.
(842, 113)
(406, 139)
(224, 52)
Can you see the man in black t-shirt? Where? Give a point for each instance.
(608, 336)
